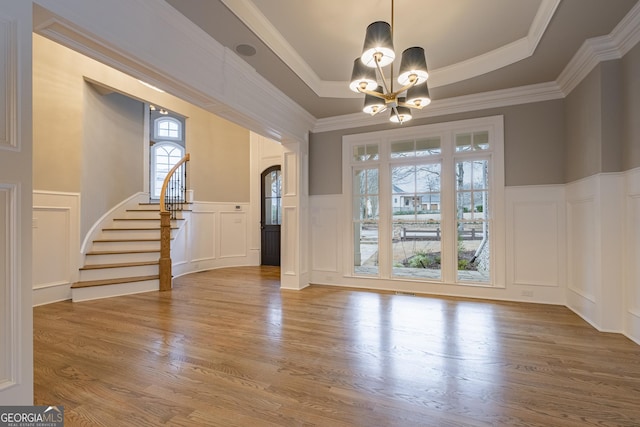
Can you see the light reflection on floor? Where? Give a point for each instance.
(432, 344)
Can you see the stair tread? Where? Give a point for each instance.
(117, 281)
(145, 219)
(119, 264)
(140, 251)
(134, 228)
(127, 240)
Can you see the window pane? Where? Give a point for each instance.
(463, 142)
(402, 149)
(416, 232)
(473, 252)
(365, 257)
(481, 140)
(364, 153)
(428, 178)
(366, 181)
(428, 146)
(272, 211)
(417, 250)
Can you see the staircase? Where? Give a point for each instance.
(123, 258)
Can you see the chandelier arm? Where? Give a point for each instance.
(415, 107)
(372, 93)
(395, 111)
(385, 85)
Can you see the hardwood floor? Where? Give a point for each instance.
(229, 348)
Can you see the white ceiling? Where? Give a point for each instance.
(306, 48)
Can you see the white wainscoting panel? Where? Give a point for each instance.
(290, 174)
(213, 235)
(51, 247)
(233, 234)
(9, 287)
(536, 242)
(8, 84)
(56, 245)
(632, 261)
(204, 247)
(180, 245)
(289, 247)
(326, 234)
(583, 258)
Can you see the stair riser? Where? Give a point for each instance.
(129, 234)
(125, 246)
(96, 292)
(118, 272)
(121, 257)
(136, 223)
(141, 214)
(147, 214)
(132, 234)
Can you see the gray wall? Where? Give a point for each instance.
(631, 111)
(534, 146)
(600, 129)
(112, 153)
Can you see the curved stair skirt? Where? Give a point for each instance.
(123, 254)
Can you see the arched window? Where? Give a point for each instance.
(164, 156)
(167, 128)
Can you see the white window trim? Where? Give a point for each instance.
(495, 126)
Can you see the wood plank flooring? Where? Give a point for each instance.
(229, 348)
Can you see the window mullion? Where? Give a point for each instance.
(449, 243)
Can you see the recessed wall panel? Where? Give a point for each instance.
(204, 247)
(233, 234)
(633, 265)
(325, 239)
(8, 85)
(289, 239)
(51, 232)
(290, 174)
(582, 248)
(8, 288)
(536, 252)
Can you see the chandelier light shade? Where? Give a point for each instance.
(373, 104)
(368, 75)
(362, 77)
(400, 114)
(413, 65)
(418, 96)
(378, 45)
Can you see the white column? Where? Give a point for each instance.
(294, 271)
(16, 314)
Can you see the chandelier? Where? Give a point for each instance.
(377, 53)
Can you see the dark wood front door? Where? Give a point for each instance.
(271, 216)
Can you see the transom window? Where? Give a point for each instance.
(426, 202)
(168, 128)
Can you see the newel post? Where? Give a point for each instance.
(165, 251)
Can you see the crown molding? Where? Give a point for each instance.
(461, 104)
(604, 48)
(505, 55)
(501, 57)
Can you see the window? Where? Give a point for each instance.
(426, 202)
(164, 156)
(167, 128)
